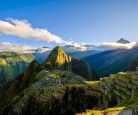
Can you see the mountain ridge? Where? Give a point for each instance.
(112, 61)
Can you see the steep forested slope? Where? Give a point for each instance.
(13, 64)
(134, 64)
(112, 61)
(56, 92)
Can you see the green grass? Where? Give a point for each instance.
(115, 109)
(122, 73)
(54, 75)
(92, 82)
(113, 76)
(101, 112)
(13, 64)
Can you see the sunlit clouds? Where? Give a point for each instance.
(7, 46)
(23, 29)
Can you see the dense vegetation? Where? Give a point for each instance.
(134, 64)
(12, 64)
(35, 82)
(59, 92)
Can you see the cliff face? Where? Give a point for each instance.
(58, 59)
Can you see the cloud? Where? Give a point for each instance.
(119, 45)
(23, 29)
(7, 46)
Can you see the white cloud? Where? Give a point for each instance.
(73, 46)
(7, 46)
(23, 29)
(119, 45)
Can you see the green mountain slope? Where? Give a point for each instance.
(59, 92)
(35, 79)
(112, 61)
(12, 64)
(134, 64)
(51, 88)
(120, 94)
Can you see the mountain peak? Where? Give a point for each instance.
(58, 57)
(57, 49)
(59, 60)
(123, 41)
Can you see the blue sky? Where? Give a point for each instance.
(83, 21)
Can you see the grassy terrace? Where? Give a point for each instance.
(124, 79)
(127, 91)
(92, 82)
(120, 83)
(106, 89)
(101, 112)
(93, 85)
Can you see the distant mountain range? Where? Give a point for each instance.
(76, 48)
(104, 62)
(112, 61)
(120, 44)
(59, 86)
(80, 51)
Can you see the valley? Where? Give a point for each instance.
(68, 57)
(60, 86)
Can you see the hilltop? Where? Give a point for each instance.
(58, 59)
